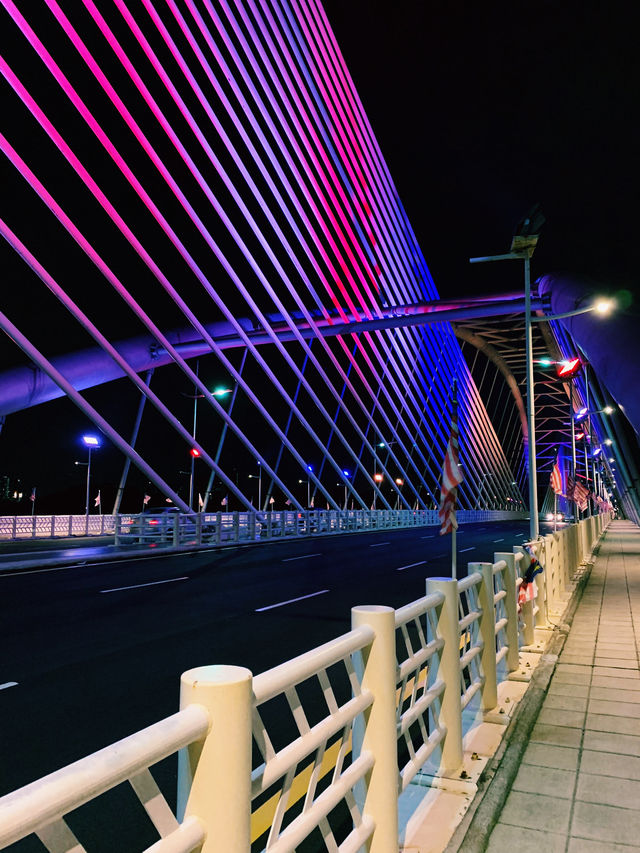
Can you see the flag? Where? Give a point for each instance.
(556, 477)
(224, 501)
(32, 496)
(200, 500)
(272, 500)
(146, 500)
(287, 502)
(313, 503)
(581, 495)
(97, 500)
(451, 477)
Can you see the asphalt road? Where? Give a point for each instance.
(96, 651)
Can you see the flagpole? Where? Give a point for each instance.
(454, 524)
(555, 512)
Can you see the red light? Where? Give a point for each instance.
(154, 521)
(194, 452)
(567, 369)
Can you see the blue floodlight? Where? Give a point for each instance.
(309, 467)
(346, 473)
(91, 440)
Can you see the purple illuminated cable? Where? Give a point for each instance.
(343, 147)
(39, 359)
(71, 93)
(186, 33)
(308, 389)
(159, 218)
(230, 186)
(234, 232)
(95, 333)
(330, 181)
(281, 142)
(97, 260)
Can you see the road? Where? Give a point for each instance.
(95, 652)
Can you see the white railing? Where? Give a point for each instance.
(55, 526)
(341, 730)
(221, 528)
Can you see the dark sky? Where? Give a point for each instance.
(483, 109)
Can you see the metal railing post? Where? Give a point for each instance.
(488, 633)
(176, 530)
(448, 670)
(511, 608)
(214, 774)
(380, 737)
(199, 528)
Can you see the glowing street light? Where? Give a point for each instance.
(91, 442)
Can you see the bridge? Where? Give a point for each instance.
(227, 282)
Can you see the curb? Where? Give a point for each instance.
(473, 832)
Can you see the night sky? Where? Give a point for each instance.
(480, 110)
(483, 109)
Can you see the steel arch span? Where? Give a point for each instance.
(173, 164)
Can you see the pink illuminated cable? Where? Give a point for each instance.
(160, 117)
(209, 7)
(95, 127)
(228, 224)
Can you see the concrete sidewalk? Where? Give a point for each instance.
(578, 786)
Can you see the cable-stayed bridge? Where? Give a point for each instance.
(197, 186)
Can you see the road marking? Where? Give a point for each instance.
(378, 544)
(437, 556)
(462, 550)
(428, 537)
(481, 528)
(140, 585)
(303, 557)
(411, 565)
(498, 540)
(8, 684)
(290, 601)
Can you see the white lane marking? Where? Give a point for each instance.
(482, 528)
(498, 540)
(428, 537)
(411, 565)
(303, 557)
(290, 601)
(8, 684)
(437, 556)
(140, 585)
(462, 550)
(378, 544)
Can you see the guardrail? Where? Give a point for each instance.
(325, 743)
(221, 528)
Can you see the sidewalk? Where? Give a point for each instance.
(578, 787)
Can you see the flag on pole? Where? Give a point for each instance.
(146, 500)
(272, 500)
(32, 496)
(97, 500)
(224, 501)
(451, 478)
(313, 503)
(287, 502)
(556, 477)
(200, 500)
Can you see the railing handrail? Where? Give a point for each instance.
(34, 805)
(279, 678)
(417, 608)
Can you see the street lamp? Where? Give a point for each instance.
(308, 482)
(522, 248)
(399, 484)
(347, 474)
(378, 478)
(91, 442)
(258, 477)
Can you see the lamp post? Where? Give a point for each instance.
(91, 442)
(378, 478)
(308, 491)
(522, 248)
(347, 474)
(258, 477)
